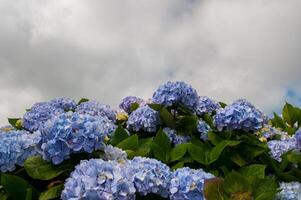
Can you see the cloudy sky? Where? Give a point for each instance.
(107, 49)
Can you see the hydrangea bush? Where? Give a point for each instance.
(176, 145)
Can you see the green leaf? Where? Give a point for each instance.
(28, 194)
(290, 114)
(144, 147)
(15, 122)
(187, 124)
(294, 157)
(155, 106)
(213, 189)
(178, 165)
(134, 106)
(82, 100)
(37, 168)
(242, 196)
(166, 117)
(218, 149)
(17, 188)
(236, 183)
(119, 135)
(3, 194)
(161, 146)
(214, 138)
(264, 189)
(278, 122)
(208, 119)
(52, 193)
(200, 153)
(256, 170)
(178, 151)
(130, 143)
(223, 105)
(237, 159)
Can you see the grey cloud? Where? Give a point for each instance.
(106, 50)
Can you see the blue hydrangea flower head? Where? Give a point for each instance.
(175, 138)
(269, 132)
(203, 128)
(128, 101)
(95, 108)
(7, 128)
(143, 119)
(207, 105)
(176, 93)
(72, 133)
(289, 191)
(38, 114)
(114, 153)
(279, 147)
(298, 138)
(188, 183)
(99, 179)
(150, 176)
(15, 147)
(64, 103)
(240, 115)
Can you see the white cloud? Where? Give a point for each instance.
(108, 49)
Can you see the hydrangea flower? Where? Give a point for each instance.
(207, 105)
(114, 153)
(240, 115)
(150, 176)
(279, 147)
(95, 108)
(99, 179)
(289, 191)
(64, 103)
(73, 132)
(143, 118)
(128, 101)
(188, 183)
(176, 93)
(269, 132)
(203, 128)
(175, 138)
(38, 114)
(15, 147)
(7, 128)
(298, 138)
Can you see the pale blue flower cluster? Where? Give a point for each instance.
(73, 132)
(114, 153)
(298, 138)
(240, 115)
(127, 102)
(269, 132)
(289, 191)
(207, 105)
(150, 176)
(176, 93)
(15, 147)
(203, 128)
(188, 184)
(99, 179)
(64, 103)
(95, 108)
(175, 138)
(38, 114)
(279, 147)
(143, 119)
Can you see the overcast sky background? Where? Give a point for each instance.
(108, 49)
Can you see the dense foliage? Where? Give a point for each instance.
(177, 145)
